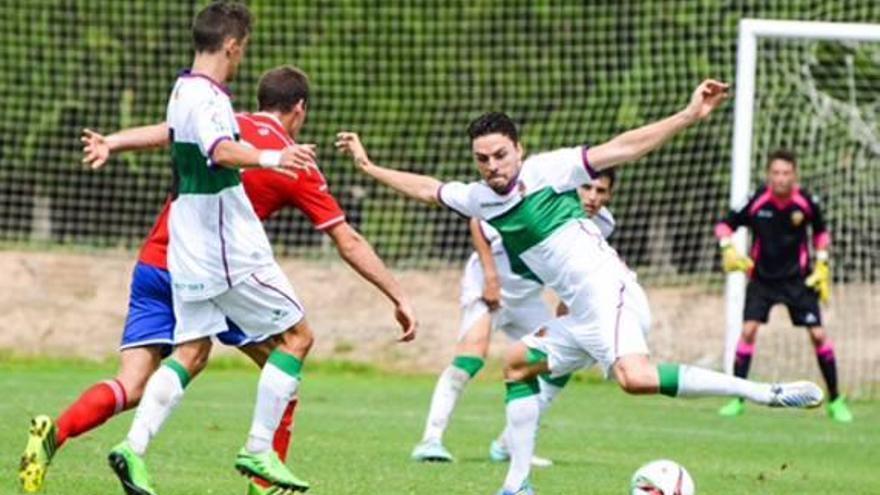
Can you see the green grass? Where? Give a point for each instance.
(356, 427)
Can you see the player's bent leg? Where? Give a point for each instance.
(470, 354)
(838, 410)
(259, 353)
(279, 382)
(162, 394)
(94, 407)
(522, 367)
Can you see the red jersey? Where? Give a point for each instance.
(268, 190)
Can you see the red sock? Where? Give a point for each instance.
(283, 435)
(95, 406)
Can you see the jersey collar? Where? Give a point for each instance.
(188, 73)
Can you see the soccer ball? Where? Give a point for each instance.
(663, 477)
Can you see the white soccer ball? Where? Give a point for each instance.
(663, 477)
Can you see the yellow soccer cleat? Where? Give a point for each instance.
(37, 455)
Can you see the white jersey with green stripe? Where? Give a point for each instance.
(215, 238)
(540, 203)
(514, 287)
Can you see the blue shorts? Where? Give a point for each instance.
(150, 318)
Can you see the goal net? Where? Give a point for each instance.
(814, 89)
(410, 75)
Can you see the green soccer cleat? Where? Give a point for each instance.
(131, 470)
(256, 489)
(839, 411)
(37, 454)
(270, 468)
(734, 408)
(431, 451)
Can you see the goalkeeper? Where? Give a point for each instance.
(779, 269)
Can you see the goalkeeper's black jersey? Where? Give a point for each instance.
(779, 232)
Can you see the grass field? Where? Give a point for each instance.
(355, 430)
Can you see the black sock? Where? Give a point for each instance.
(828, 365)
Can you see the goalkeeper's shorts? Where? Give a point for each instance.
(802, 302)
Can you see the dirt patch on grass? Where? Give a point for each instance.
(71, 304)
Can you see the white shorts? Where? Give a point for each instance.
(515, 319)
(522, 309)
(263, 304)
(616, 325)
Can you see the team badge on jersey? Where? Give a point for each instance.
(797, 218)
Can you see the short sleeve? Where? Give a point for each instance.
(310, 194)
(458, 197)
(566, 168)
(214, 122)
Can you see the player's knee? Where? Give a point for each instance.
(194, 355)
(299, 339)
(636, 379)
(818, 336)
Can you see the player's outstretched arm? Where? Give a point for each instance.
(419, 187)
(359, 254)
(97, 148)
(491, 285)
(296, 157)
(634, 144)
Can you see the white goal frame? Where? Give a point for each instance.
(750, 30)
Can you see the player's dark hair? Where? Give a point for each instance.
(493, 123)
(782, 154)
(217, 22)
(611, 173)
(281, 88)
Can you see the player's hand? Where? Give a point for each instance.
(492, 293)
(297, 158)
(732, 261)
(349, 143)
(706, 98)
(820, 280)
(96, 149)
(406, 318)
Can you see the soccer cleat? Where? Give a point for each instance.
(736, 407)
(270, 468)
(498, 453)
(525, 489)
(37, 454)
(431, 451)
(796, 394)
(256, 489)
(839, 411)
(131, 470)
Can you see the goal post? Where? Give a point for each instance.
(750, 32)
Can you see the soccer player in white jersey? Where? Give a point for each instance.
(534, 206)
(494, 297)
(220, 260)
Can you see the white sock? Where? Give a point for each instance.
(161, 395)
(699, 382)
(522, 427)
(274, 392)
(547, 394)
(545, 398)
(449, 387)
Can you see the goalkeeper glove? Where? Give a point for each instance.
(731, 260)
(820, 279)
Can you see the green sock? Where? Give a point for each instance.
(469, 364)
(668, 379)
(521, 389)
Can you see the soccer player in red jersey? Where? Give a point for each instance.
(149, 330)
